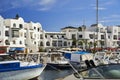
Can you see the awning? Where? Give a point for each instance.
(17, 49)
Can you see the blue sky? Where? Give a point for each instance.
(56, 14)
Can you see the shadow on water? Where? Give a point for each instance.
(54, 74)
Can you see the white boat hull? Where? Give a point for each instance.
(24, 74)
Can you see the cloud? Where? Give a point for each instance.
(100, 8)
(108, 21)
(47, 2)
(103, 4)
(31, 4)
(112, 16)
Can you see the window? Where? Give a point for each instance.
(102, 37)
(65, 43)
(73, 36)
(34, 27)
(34, 42)
(25, 35)
(51, 36)
(7, 42)
(60, 43)
(20, 26)
(14, 25)
(15, 33)
(45, 36)
(21, 34)
(38, 29)
(48, 43)
(20, 42)
(62, 36)
(7, 26)
(6, 33)
(102, 43)
(14, 42)
(54, 43)
(41, 43)
(41, 36)
(80, 36)
(91, 36)
(115, 37)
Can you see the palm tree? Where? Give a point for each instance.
(85, 41)
(80, 43)
(89, 44)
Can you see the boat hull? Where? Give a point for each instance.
(21, 73)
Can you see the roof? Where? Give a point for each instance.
(70, 27)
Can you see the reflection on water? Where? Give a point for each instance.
(54, 74)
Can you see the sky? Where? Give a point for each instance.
(56, 14)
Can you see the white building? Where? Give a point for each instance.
(87, 36)
(28, 36)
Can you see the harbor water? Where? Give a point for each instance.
(55, 74)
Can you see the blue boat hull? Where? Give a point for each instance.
(22, 73)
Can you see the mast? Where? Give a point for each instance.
(96, 26)
(97, 22)
(97, 13)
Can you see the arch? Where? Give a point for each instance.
(20, 42)
(41, 43)
(14, 25)
(48, 43)
(7, 42)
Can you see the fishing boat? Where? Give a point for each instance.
(12, 69)
(92, 72)
(55, 60)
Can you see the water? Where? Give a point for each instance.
(54, 74)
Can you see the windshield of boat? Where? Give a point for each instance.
(6, 58)
(111, 71)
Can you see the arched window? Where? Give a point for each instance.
(38, 29)
(48, 43)
(14, 25)
(20, 42)
(34, 42)
(41, 43)
(7, 42)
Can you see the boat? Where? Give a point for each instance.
(12, 69)
(100, 72)
(55, 60)
(106, 57)
(77, 58)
